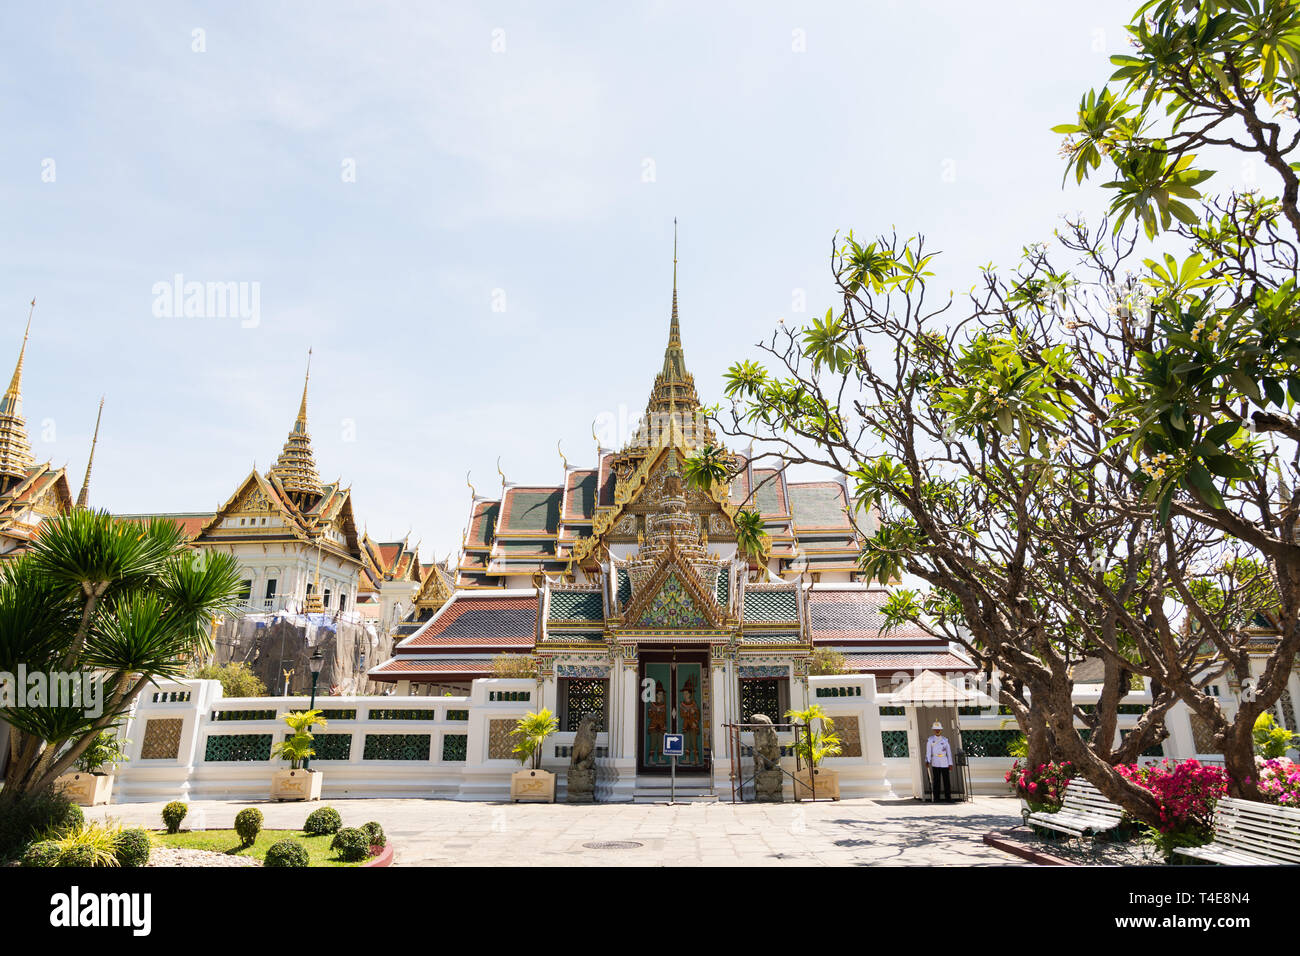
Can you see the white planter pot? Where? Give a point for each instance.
(532, 786)
(296, 784)
(86, 789)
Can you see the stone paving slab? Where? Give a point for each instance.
(452, 833)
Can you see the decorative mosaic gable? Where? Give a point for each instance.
(673, 607)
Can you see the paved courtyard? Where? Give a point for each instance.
(451, 833)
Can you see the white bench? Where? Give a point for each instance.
(1083, 810)
(1247, 833)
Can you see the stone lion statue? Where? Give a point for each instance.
(583, 756)
(767, 751)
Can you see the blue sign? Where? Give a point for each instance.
(674, 745)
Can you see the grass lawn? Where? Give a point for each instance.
(227, 841)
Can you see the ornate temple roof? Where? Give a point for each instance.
(295, 469)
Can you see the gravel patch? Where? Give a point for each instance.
(178, 856)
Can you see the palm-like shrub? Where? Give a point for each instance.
(323, 821)
(532, 731)
(819, 741)
(130, 602)
(106, 749)
(751, 538)
(298, 747)
(173, 814)
(248, 824)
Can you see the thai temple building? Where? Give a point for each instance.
(30, 491)
(626, 586)
(294, 535)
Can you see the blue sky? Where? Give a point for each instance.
(496, 274)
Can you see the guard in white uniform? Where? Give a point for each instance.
(938, 757)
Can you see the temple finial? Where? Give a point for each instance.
(83, 499)
(15, 449)
(302, 409)
(674, 330)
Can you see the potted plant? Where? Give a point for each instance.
(536, 784)
(92, 784)
(299, 782)
(812, 745)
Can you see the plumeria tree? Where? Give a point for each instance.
(1094, 459)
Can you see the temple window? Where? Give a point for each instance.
(579, 696)
(769, 696)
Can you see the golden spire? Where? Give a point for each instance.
(674, 330)
(83, 499)
(15, 448)
(296, 466)
(674, 388)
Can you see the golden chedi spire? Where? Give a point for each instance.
(674, 387)
(83, 498)
(15, 448)
(296, 466)
(674, 406)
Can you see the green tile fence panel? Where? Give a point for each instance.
(403, 714)
(330, 746)
(238, 747)
(988, 743)
(458, 715)
(895, 742)
(1132, 708)
(455, 746)
(510, 695)
(349, 714)
(171, 697)
(891, 711)
(396, 747)
(839, 691)
(243, 715)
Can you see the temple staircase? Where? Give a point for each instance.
(694, 788)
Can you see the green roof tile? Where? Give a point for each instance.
(576, 606)
(764, 606)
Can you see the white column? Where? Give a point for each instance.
(627, 745)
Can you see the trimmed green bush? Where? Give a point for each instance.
(248, 824)
(31, 816)
(133, 847)
(287, 853)
(43, 853)
(376, 833)
(352, 844)
(77, 856)
(173, 814)
(73, 819)
(322, 822)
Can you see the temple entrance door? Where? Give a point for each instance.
(673, 699)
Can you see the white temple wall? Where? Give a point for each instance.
(189, 742)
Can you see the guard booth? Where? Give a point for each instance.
(925, 699)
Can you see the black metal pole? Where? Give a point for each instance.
(315, 676)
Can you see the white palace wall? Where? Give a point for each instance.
(189, 742)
